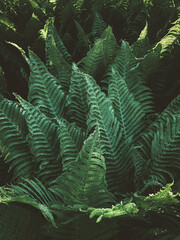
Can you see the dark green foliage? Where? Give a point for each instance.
(90, 155)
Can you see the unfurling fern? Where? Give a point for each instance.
(85, 145)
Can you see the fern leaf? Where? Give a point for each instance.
(13, 144)
(8, 195)
(60, 45)
(165, 149)
(116, 153)
(163, 48)
(77, 107)
(99, 26)
(101, 55)
(61, 68)
(46, 164)
(141, 46)
(84, 181)
(127, 66)
(43, 89)
(34, 189)
(69, 150)
(127, 109)
(84, 42)
(48, 127)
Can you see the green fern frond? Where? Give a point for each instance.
(43, 89)
(99, 26)
(60, 45)
(165, 150)
(34, 189)
(8, 195)
(100, 56)
(47, 166)
(142, 46)
(69, 150)
(127, 109)
(163, 48)
(14, 146)
(77, 107)
(117, 153)
(84, 43)
(61, 69)
(127, 66)
(84, 180)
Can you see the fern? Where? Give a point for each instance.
(85, 177)
(90, 138)
(44, 94)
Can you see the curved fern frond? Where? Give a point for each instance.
(99, 26)
(100, 56)
(60, 45)
(35, 190)
(84, 42)
(43, 89)
(12, 139)
(127, 66)
(47, 166)
(163, 48)
(141, 46)
(8, 195)
(69, 150)
(116, 152)
(48, 127)
(145, 140)
(84, 180)
(127, 109)
(77, 106)
(165, 150)
(61, 68)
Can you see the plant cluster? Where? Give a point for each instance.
(92, 153)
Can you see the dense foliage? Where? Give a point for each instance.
(93, 151)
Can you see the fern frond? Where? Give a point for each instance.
(127, 109)
(83, 40)
(163, 48)
(12, 139)
(47, 125)
(69, 150)
(99, 26)
(116, 153)
(34, 189)
(141, 46)
(77, 107)
(47, 166)
(84, 180)
(61, 68)
(8, 195)
(127, 66)
(165, 150)
(100, 56)
(43, 89)
(60, 45)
